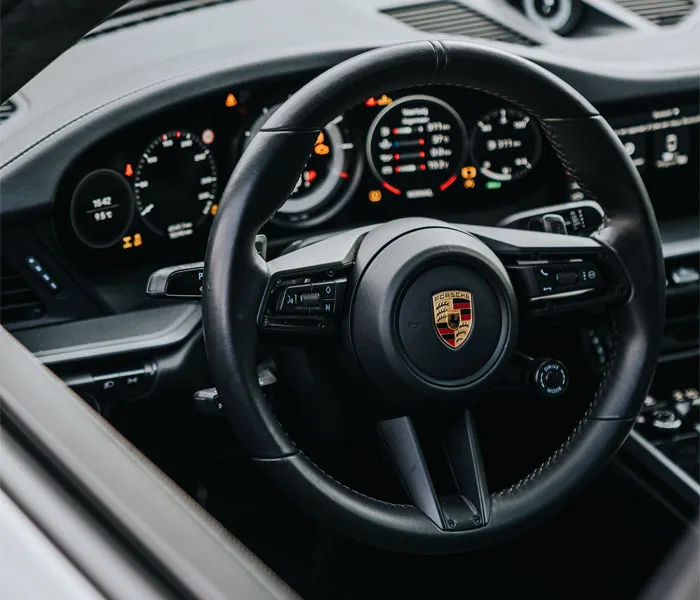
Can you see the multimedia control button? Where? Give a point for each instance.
(328, 306)
(589, 274)
(545, 273)
(567, 278)
(545, 287)
(290, 299)
(310, 299)
(326, 289)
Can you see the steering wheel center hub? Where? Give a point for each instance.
(434, 313)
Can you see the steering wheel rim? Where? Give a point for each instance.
(237, 280)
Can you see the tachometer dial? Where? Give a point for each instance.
(416, 145)
(175, 184)
(506, 144)
(328, 179)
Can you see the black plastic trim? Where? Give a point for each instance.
(145, 330)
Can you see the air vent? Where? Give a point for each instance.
(452, 18)
(141, 11)
(660, 12)
(7, 109)
(17, 301)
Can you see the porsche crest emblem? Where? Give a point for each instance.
(452, 314)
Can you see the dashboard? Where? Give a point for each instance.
(153, 187)
(150, 190)
(114, 162)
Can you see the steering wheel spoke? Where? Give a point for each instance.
(470, 505)
(402, 444)
(555, 273)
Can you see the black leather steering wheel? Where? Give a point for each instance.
(381, 316)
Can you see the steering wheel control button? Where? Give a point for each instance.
(291, 299)
(551, 378)
(551, 279)
(312, 304)
(310, 299)
(326, 290)
(589, 274)
(567, 278)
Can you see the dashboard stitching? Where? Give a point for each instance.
(300, 452)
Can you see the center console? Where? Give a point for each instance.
(662, 137)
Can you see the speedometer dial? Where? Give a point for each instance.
(506, 144)
(416, 145)
(175, 184)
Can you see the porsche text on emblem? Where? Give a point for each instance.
(452, 314)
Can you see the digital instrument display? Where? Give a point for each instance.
(506, 144)
(102, 208)
(151, 189)
(416, 146)
(328, 179)
(663, 142)
(659, 139)
(175, 184)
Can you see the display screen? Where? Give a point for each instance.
(663, 139)
(660, 139)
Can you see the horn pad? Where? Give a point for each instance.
(433, 314)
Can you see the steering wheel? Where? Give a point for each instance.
(381, 289)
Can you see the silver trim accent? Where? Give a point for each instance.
(681, 247)
(661, 459)
(562, 295)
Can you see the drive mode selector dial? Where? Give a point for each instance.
(551, 378)
(416, 145)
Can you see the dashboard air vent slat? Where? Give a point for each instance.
(18, 302)
(452, 18)
(660, 12)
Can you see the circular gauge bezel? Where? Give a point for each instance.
(534, 159)
(322, 194)
(139, 171)
(459, 160)
(332, 195)
(131, 208)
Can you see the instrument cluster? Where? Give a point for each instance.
(154, 187)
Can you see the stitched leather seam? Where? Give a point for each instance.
(197, 509)
(602, 388)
